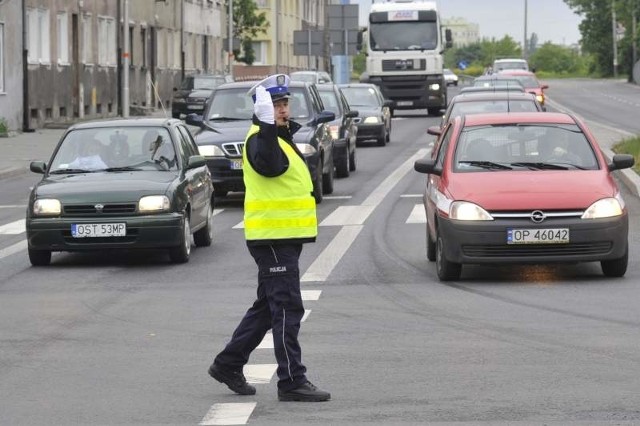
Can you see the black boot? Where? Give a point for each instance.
(233, 379)
(306, 393)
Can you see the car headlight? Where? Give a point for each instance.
(540, 98)
(153, 203)
(306, 149)
(372, 120)
(210, 151)
(464, 210)
(335, 131)
(198, 100)
(178, 101)
(435, 87)
(607, 207)
(47, 206)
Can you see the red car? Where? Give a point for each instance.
(530, 83)
(522, 188)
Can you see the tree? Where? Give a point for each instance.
(247, 24)
(552, 58)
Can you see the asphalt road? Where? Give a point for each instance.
(126, 338)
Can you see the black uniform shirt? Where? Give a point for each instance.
(263, 151)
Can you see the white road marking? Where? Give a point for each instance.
(417, 215)
(14, 206)
(337, 197)
(354, 216)
(331, 255)
(217, 211)
(258, 374)
(236, 413)
(13, 228)
(307, 312)
(13, 249)
(310, 294)
(267, 341)
(411, 196)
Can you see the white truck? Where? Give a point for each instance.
(404, 54)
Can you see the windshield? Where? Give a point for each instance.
(484, 106)
(524, 147)
(233, 104)
(527, 81)
(403, 35)
(100, 149)
(361, 96)
(330, 101)
(298, 104)
(510, 65)
(195, 83)
(308, 77)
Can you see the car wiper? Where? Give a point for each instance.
(122, 169)
(228, 119)
(486, 165)
(540, 166)
(70, 171)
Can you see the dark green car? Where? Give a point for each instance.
(121, 184)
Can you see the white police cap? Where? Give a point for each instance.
(277, 85)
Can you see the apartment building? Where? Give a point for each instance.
(11, 71)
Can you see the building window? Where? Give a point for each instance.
(1, 57)
(259, 52)
(131, 45)
(62, 23)
(38, 36)
(143, 43)
(107, 41)
(87, 40)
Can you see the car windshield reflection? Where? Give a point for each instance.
(114, 149)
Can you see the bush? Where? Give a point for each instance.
(4, 129)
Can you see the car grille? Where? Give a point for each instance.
(233, 149)
(512, 251)
(92, 210)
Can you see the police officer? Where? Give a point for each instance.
(279, 216)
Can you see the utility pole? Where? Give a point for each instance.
(181, 39)
(525, 47)
(615, 38)
(125, 63)
(230, 41)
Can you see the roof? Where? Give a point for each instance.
(516, 72)
(127, 122)
(491, 95)
(518, 117)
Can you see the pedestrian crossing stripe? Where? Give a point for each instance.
(258, 374)
(233, 413)
(267, 340)
(13, 228)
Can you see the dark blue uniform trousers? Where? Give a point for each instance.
(278, 307)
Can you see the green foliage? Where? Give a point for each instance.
(630, 146)
(359, 65)
(247, 24)
(559, 60)
(4, 128)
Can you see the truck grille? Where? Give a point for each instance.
(404, 65)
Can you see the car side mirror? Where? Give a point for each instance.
(194, 119)
(434, 130)
(544, 86)
(325, 117)
(175, 89)
(196, 161)
(427, 166)
(38, 167)
(352, 113)
(619, 162)
(448, 38)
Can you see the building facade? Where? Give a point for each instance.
(463, 32)
(11, 70)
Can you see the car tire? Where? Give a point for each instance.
(352, 161)
(327, 182)
(342, 168)
(434, 112)
(204, 236)
(431, 247)
(317, 185)
(389, 134)
(39, 257)
(382, 140)
(616, 268)
(180, 253)
(447, 271)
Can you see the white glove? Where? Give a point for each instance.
(263, 108)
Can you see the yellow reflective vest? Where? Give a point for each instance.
(281, 207)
